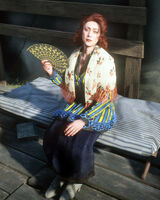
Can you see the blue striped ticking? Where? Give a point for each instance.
(127, 145)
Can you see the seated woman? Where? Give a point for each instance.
(89, 86)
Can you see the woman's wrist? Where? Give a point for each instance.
(51, 75)
(84, 121)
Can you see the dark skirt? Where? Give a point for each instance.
(71, 157)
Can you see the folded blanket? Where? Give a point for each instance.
(137, 129)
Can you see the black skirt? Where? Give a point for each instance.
(71, 157)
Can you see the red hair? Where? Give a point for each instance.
(96, 17)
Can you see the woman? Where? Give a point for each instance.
(89, 85)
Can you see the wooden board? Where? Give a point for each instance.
(133, 66)
(13, 181)
(132, 77)
(124, 14)
(90, 193)
(19, 161)
(116, 46)
(3, 195)
(122, 187)
(25, 192)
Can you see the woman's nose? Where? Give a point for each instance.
(89, 33)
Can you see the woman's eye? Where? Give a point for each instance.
(86, 30)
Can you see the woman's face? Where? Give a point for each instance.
(90, 33)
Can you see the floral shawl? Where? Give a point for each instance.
(100, 78)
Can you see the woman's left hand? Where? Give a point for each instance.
(74, 127)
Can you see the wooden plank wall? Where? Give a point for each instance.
(133, 65)
(124, 14)
(131, 48)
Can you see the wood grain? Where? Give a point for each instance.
(133, 66)
(116, 46)
(123, 14)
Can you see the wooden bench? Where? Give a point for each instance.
(128, 52)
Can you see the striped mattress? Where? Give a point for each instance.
(137, 129)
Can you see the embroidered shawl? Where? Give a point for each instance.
(100, 78)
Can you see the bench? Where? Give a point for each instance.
(128, 51)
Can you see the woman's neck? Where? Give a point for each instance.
(87, 50)
(85, 53)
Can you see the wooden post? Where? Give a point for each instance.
(147, 166)
(133, 65)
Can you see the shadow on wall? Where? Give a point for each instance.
(150, 82)
(150, 76)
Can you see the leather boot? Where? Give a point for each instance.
(53, 187)
(70, 191)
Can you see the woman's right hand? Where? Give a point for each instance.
(47, 66)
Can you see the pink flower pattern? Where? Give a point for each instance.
(100, 82)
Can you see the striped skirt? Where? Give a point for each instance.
(71, 157)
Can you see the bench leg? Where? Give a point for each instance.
(147, 166)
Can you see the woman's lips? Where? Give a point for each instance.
(88, 40)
